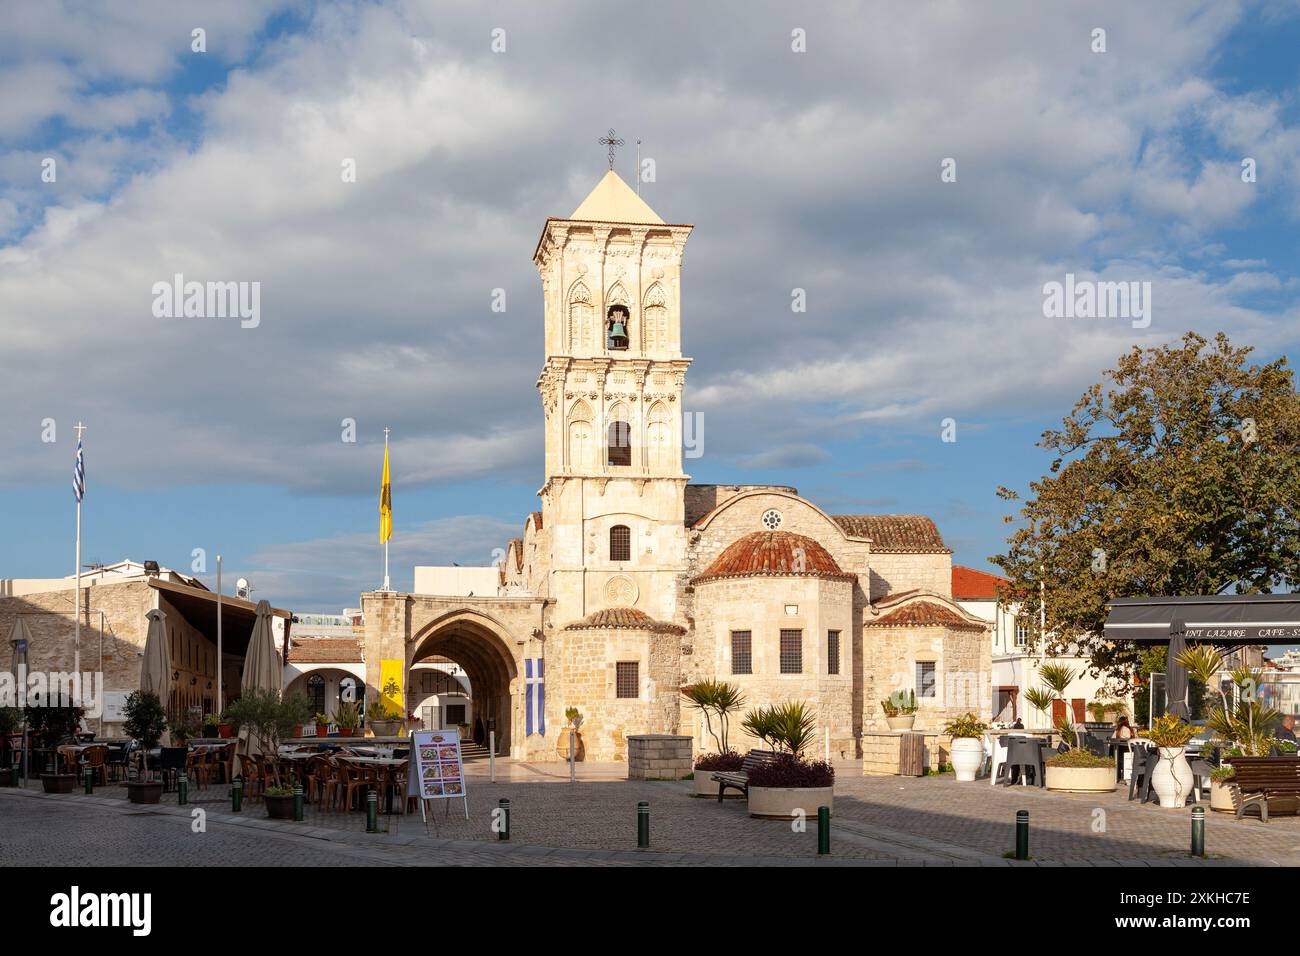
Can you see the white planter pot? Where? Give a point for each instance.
(706, 786)
(1081, 779)
(967, 756)
(903, 722)
(782, 802)
(1172, 777)
(1221, 795)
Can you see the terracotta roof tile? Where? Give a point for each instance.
(774, 553)
(624, 618)
(898, 533)
(971, 585)
(518, 545)
(924, 614)
(324, 650)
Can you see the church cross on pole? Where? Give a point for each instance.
(609, 140)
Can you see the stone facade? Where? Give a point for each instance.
(607, 592)
(659, 757)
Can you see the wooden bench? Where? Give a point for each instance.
(739, 779)
(1260, 779)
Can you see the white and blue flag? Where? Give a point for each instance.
(535, 696)
(79, 474)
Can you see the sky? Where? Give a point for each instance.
(807, 146)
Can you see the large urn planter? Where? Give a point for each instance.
(146, 792)
(58, 782)
(1172, 777)
(903, 722)
(1081, 779)
(781, 803)
(1221, 792)
(706, 786)
(279, 808)
(562, 744)
(386, 728)
(967, 757)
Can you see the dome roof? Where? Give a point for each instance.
(922, 613)
(771, 553)
(624, 618)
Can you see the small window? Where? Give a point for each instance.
(627, 681)
(771, 519)
(925, 679)
(742, 652)
(1022, 632)
(791, 651)
(832, 652)
(620, 543)
(619, 446)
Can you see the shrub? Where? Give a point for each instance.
(791, 770)
(728, 760)
(51, 725)
(967, 725)
(1170, 731)
(1223, 774)
(1079, 758)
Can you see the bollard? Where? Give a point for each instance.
(1198, 831)
(237, 795)
(183, 790)
(643, 824)
(297, 803)
(1022, 834)
(372, 811)
(823, 831)
(492, 755)
(504, 832)
(573, 766)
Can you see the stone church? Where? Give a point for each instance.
(630, 581)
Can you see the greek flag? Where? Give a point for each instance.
(535, 697)
(79, 474)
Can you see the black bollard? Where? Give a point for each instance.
(1022, 834)
(643, 824)
(504, 806)
(183, 790)
(372, 811)
(297, 803)
(1198, 831)
(237, 795)
(823, 831)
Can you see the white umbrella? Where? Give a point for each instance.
(262, 670)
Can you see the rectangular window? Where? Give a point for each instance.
(925, 679)
(1022, 632)
(627, 682)
(791, 651)
(620, 543)
(832, 652)
(742, 652)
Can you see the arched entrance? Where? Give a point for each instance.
(479, 645)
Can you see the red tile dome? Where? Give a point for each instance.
(771, 553)
(624, 618)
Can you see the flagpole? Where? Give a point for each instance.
(76, 604)
(390, 519)
(220, 703)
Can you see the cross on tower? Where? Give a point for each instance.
(609, 140)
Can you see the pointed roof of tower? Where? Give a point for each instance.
(615, 201)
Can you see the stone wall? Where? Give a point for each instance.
(880, 752)
(963, 673)
(659, 757)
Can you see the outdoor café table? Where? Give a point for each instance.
(1118, 747)
(390, 767)
(1022, 752)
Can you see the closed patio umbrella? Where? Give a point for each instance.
(1176, 673)
(156, 667)
(262, 670)
(20, 639)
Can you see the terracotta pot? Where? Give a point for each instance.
(279, 808)
(562, 745)
(322, 730)
(225, 731)
(901, 722)
(58, 782)
(345, 731)
(781, 803)
(297, 730)
(137, 792)
(1081, 779)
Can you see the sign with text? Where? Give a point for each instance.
(437, 772)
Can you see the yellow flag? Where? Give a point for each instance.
(385, 504)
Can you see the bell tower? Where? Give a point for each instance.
(611, 390)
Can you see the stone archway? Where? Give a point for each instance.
(480, 646)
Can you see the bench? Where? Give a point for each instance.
(739, 779)
(1260, 779)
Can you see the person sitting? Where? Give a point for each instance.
(1287, 730)
(1018, 725)
(1123, 729)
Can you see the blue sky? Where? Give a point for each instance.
(816, 170)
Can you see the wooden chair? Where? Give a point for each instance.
(94, 761)
(196, 766)
(739, 779)
(322, 783)
(251, 772)
(67, 760)
(356, 777)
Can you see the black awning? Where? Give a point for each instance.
(1219, 619)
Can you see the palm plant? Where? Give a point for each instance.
(1057, 677)
(715, 699)
(761, 724)
(1245, 723)
(795, 726)
(1040, 698)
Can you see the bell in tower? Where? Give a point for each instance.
(617, 325)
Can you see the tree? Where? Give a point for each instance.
(1181, 478)
(719, 699)
(270, 719)
(145, 722)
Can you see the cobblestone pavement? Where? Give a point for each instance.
(890, 821)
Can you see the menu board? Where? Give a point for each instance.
(437, 772)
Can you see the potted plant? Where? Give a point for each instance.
(716, 701)
(211, 723)
(1172, 777)
(790, 782)
(706, 765)
(51, 726)
(271, 718)
(900, 710)
(1078, 771)
(574, 718)
(347, 718)
(967, 747)
(322, 725)
(1097, 711)
(10, 719)
(384, 722)
(145, 722)
(1221, 787)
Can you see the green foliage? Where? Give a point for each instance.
(1223, 774)
(795, 726)
(1170, 731)
(347, 716)
(145, 719)
(761, 723)
(1040, 698)
(573, 716)
(1079, 758)
(967, 725)
(10, 718)
(377, 710)
(1096, 711)
(1182, 472)
(899, 704)
(322, 720)
(1057, 677)
(715, 700)
(271, 717)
